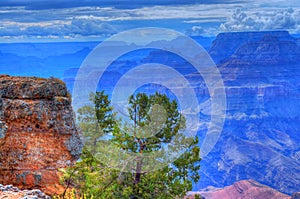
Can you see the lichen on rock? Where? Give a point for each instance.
(74, 145)
(11, 192)
(3, 129)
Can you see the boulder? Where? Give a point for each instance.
(38, 134)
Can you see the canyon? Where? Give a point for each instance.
(260, 138)
(244, 189)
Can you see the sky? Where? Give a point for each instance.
(86, 20)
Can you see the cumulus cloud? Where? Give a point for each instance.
(84, 18)
(287, 19)
(89, 27)
(195, 30)
(97, 21)
(200, 31)
(72, 28)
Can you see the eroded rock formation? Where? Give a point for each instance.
(249, 189)
(296, 195)
(38, 134)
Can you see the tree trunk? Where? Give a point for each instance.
(138, 170)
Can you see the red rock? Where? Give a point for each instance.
(245, 189)
(38, 134)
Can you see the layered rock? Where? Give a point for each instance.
(259, 140)
(268, 50)
(38, 134)
(249, 189)
(226, 44)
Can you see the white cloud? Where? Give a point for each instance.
(95, 21)
(195, 30)
(185, 12)
(88, 27)
(276, 3)
(188, 12)
(57, 29)
(199, 19)
(203, 13)
(284, 19)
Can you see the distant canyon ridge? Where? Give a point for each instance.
(260, 139)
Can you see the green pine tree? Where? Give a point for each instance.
(154, 122)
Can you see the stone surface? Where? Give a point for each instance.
(260, 138)
(226, 44)
(38, 134)
(296, 195)
(11, 192)
(245, 189)
(268, 50)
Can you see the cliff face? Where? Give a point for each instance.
(259, 139)
(249, 189)
(226, 44)
(37, 132)
(296, 195)
(268, 50)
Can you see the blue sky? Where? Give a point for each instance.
(84, 20)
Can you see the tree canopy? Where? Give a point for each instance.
(140, 160)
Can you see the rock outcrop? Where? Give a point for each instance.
(259, 139)
(268, 50)
(249, 189)
(296, 195)
(11, 192)
(226, 44)
(38, 134)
